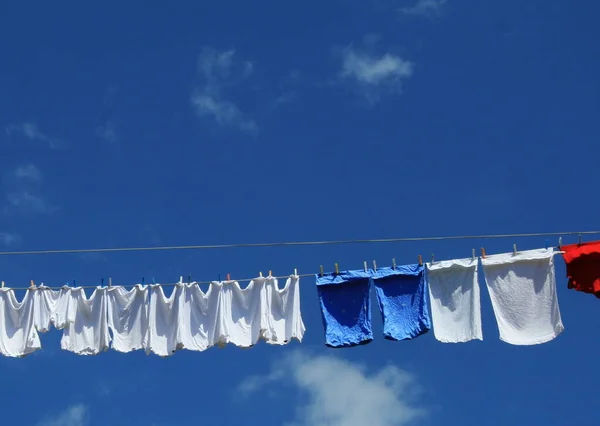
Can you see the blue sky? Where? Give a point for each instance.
(139, 124)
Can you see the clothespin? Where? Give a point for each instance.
(295, 272)
(2, 284)
(432, 258)
(189, 278)
(393, 263)
(546, 244)
(143, 280)
(337, 269)
(320, 270)
(260, 273)
(420, 260)
(579, 239)
(228, 277)
(559, 242)
(473, 254)
(31, 284)
(153, 280)
(514, 249)
(101, 282)
(270, 275)
(109, 282)
(365, 265)
(482, 253)
(74, 285)
(375, 266)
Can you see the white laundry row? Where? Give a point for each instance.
(143, 318)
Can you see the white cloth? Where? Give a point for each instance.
(199, 320)
(523, 292)
(261, 311)
(50, 307)
(162, 321)
(455, 300)
(87, 330)
(128, 317)
(18, 336)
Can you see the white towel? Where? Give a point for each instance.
(523, 292)
(50, 307)
(455, 300)
(18, 336)
(87, 330)
(128, 317)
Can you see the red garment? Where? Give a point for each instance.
(583, 266)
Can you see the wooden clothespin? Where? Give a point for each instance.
(420, 260)
(337, 269)
(482, 253)
(295, 272)
(559, 242)
(547, 245)
(228, 277)
(514, 249)
(393, 263)
(260, 273)
(32, 284)
(473, 254)
(432, 258)
(365, 265)
(375, 266)
(270, 274)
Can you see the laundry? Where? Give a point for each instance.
(346, 308)
(284, 314)
(199, 321)
(128, 317)
(18, 335)
(162, 321)
(522, 287)
(583, 267)
(50, 307)
(87, 330)
(403, 301)
(455, 300)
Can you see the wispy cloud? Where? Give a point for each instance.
(28, 171)
(31, 131)
(28, 202)
(9, 239)
(387, 397)
(107, 131)
(428, 8)
(218, 71)
(75, 415)
(374, 74)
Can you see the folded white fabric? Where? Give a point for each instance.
(50, 307)
(18, 336)
(162, 321)
(128, 317)
(87, 330)
(523, 292)
(455, 300)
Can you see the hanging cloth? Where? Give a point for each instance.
(346, 308)
(199, 321)
(583, 267)
(284, 315)
(162, 320)
(455, 300)
(50, 307)
(523, 292)
(86, 332)
(18, 335)
(403, 301)
(128, 317)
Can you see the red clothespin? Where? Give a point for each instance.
(482, 253)
(420, 260)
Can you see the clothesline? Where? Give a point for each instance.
(298, 243)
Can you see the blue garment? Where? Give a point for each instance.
(403, 301)
(346, 308)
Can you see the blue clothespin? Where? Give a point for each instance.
(153, 281)
(101, 282)
(546, 244)
(142, 280)
(189, 278)
(74, 284)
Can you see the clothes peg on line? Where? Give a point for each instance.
(547, 244)
(514, 249)
(321, 270)
(482, 253)
(337, 269)
(375, 266)
(143, 280)
(31, 284)
(393, 263)
(295, 272)
(2, 284)
(559, 242)
(473, 254)
(228, 277)
(260, 274)
(420, 260)
(153, 281)
(365, 266)
(101, 282)
(579, 239)
(432, 258)
(189, 278)
(270, 274)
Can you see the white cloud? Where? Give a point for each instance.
(375, 74)
(219, 70)
(28, 202)
(75, 415)
(32, 132)
(8, 239)
(340, 393)
(108, 132)
(429, 8)
(28, 172)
